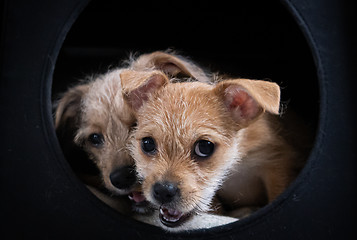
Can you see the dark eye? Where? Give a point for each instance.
(148, 145)
(96, 139)
(204, 148)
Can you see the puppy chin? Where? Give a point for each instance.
(177, 213)
(172, 217)
(139, 203)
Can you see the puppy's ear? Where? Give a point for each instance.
(138, 86)
(68, 107)
(67, 118)
(170, 64)
(247, 99)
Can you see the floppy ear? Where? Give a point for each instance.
(67, 118)
(247, 99)
(69, 105)
(170, 64)
(138, 86)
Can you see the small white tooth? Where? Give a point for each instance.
(170, 219)
(162, 212)
(174, 219)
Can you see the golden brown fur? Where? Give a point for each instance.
(97, 107)
(251, 163)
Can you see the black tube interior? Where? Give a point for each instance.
(240, 39)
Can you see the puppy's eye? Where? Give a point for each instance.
(204, 148)
(148, 145)
(96, 139)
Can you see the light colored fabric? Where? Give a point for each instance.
(200, 221)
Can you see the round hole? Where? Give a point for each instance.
(241, 40)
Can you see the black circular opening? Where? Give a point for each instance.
(244, 39)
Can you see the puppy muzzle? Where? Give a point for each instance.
(167, 194)
(123, 178)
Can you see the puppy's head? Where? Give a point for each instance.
(93, 117)
(188, 136)
(100, 122)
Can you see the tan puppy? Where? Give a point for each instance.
(193, 139)
(93, 117)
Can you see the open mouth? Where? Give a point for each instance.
(172, 217)
(139, 202)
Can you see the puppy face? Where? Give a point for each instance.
(95, 117)
(103, 123)
(188, 137)
(182, 150)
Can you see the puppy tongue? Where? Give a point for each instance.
(137, 197)
(170, 215)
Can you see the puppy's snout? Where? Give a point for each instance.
(165, 192)
(124, 177)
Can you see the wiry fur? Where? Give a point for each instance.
(177, 120)
(176, 67)
(97, 106)
(251, 164)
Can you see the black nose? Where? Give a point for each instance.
(124, 177)
(165, 192)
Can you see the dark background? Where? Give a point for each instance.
(250, 39)
(41, 197)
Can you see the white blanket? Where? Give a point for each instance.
(199, 221)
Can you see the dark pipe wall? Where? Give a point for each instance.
(41, 197)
